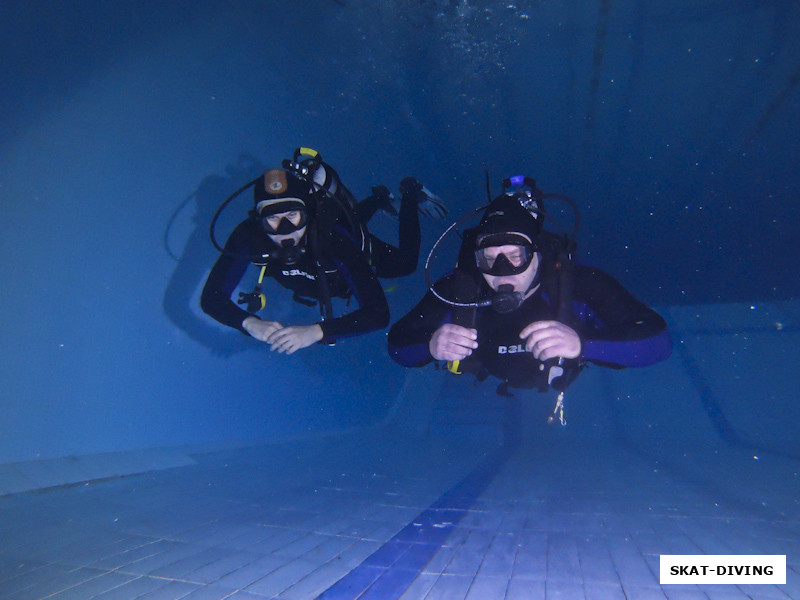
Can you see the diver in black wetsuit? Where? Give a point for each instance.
(498, 313)
(291, 234)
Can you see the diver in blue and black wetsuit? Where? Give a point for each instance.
(504, 311)
(297, 232)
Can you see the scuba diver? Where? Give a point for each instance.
(518, 308)
(307, 231)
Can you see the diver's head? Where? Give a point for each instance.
(281, 206)
(506, 249)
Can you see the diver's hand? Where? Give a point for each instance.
(292, 339)
(260, 330)
(551, 339)
(411, 187)
(452, 342)
(383, 198)
(381, 192)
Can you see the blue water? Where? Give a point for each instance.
(123, 125)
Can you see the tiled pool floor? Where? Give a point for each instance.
(554, 518)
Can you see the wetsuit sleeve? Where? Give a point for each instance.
(373, 310)
(409, 338)
(617, 329)
(225, 275)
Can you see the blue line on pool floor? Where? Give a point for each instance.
(388, 571)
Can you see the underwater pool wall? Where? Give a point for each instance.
(104, 346)
(116, 152)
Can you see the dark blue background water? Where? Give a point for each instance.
(673, 125)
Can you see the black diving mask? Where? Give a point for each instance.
(289, 223)
(515, 258)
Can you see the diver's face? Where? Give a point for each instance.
(520, 281)
(273, 222)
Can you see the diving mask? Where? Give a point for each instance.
(284, 223)
(504, 254)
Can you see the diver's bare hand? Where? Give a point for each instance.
(292, 339)
(551, 339)
(260, 330)
(453, 342)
